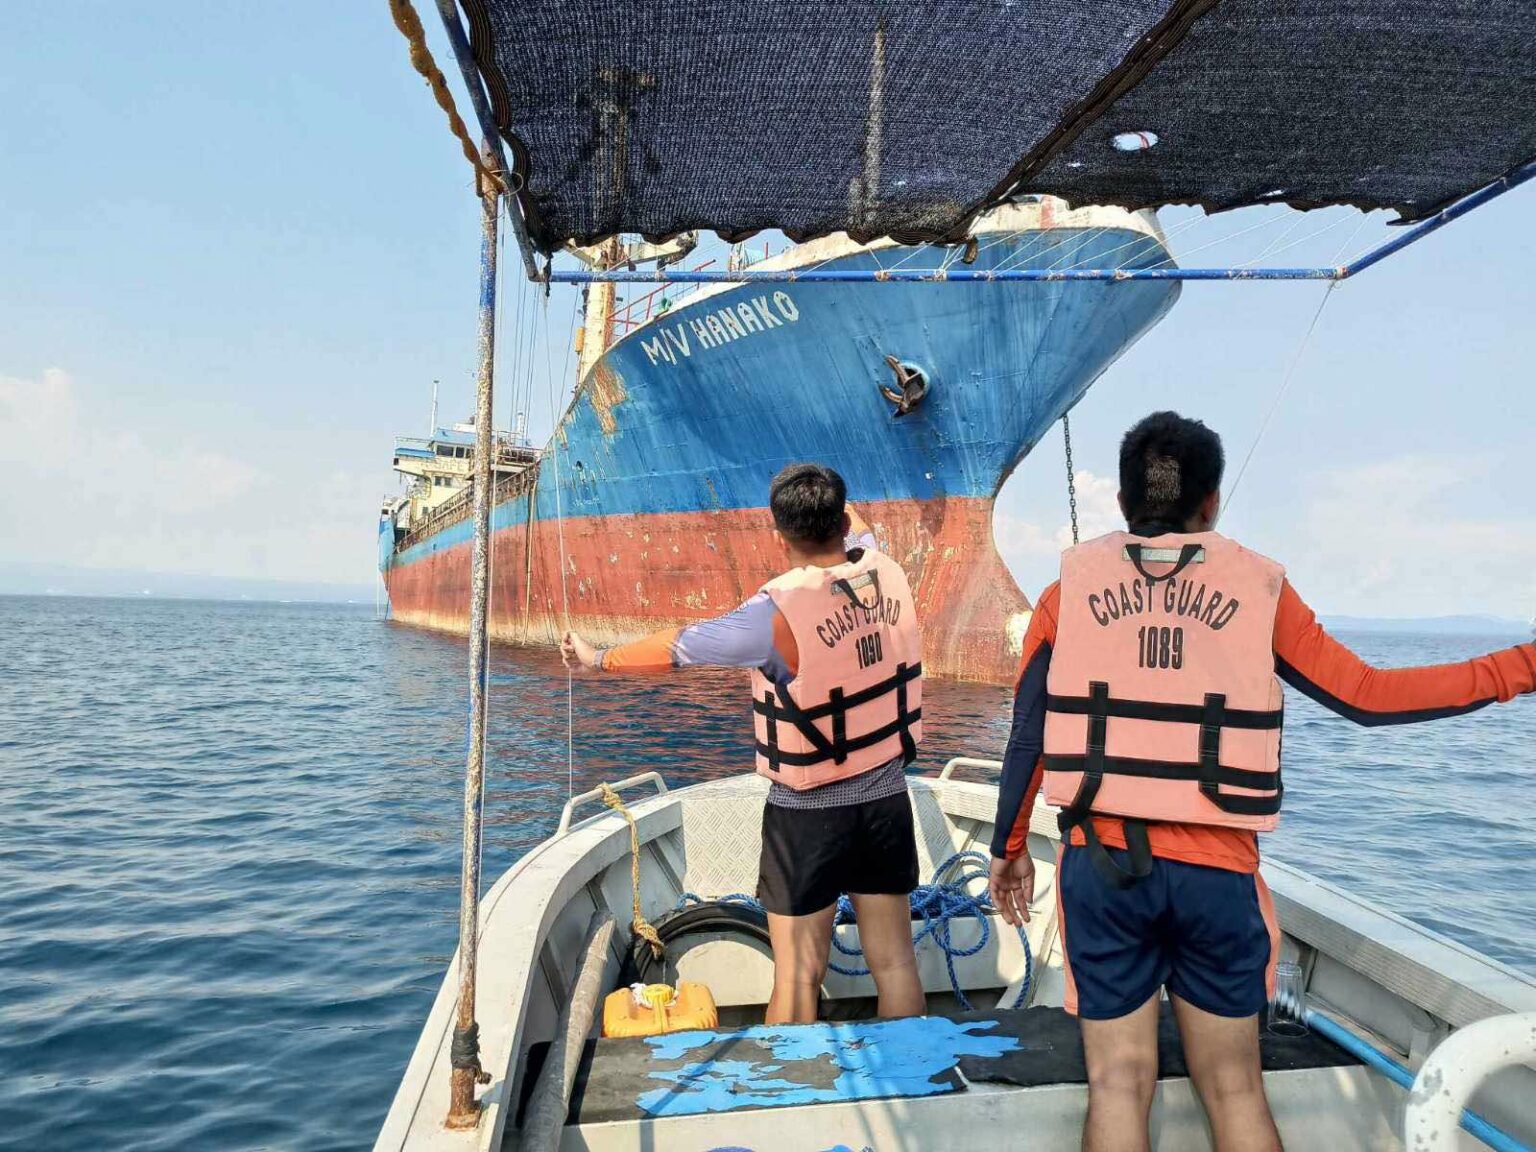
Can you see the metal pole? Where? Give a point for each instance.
(1490, 192)
(1411, 235)
(464, 54)
(463, 1110)
(926, 275)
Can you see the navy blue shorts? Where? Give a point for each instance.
(1206, 934)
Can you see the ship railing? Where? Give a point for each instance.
(629, 316)
(462, 504)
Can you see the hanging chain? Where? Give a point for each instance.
(1066, 435)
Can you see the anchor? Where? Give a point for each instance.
(911, 386)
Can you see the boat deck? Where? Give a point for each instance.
(784, 1078)
(690, 1073)
(950, 1080)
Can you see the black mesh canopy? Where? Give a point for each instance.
(904, 118)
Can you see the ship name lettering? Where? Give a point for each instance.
(732, 325)
(666, 345)
(769, 319)
(728, 324)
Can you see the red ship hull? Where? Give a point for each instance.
(628, 575)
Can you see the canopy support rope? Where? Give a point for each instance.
(426, 67)
(1285, 384)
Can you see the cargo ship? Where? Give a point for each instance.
(923, 396)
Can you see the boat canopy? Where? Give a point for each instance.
(904, 118)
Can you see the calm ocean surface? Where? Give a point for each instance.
(229, 844)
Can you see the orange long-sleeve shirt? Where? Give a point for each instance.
(1309, 660)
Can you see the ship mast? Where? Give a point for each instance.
(597, 326)
(597, 329)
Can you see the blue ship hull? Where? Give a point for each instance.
(666, 452)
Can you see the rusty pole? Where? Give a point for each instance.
(463, 1110)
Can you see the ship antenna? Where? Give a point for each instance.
(432, 424)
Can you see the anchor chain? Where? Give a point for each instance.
(1066, 435)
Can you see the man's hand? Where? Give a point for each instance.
(857, 525)
(1012, 887)
(573, 647)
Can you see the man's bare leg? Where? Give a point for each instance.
(1223, 1057)
(800, 946)
(885, 934)
(1122, 1075)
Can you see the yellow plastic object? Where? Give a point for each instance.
(652, 1009)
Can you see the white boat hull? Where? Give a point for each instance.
(1399, 986)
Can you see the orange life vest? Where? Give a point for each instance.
(856, 701)
(1162, 702)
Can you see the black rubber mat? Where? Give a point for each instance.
(1051, 1050)
(735, 1068)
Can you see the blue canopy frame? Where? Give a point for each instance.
(970, 276)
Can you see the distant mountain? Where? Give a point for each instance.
(1431, 625)
(62, 580)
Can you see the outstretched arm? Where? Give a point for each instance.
(1314, 663)
(743, 638)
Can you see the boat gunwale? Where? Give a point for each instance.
(426, 1073)
(1334, 922)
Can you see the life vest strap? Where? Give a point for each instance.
(1218, 774)
(838, 705)
(1168, 713)
(901, 726)
(1138, 847)
(789, 710)
(1188, 554)
(1212, 716)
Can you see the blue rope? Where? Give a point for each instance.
(944, 899)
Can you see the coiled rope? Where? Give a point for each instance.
(421, 59)
(944, 899)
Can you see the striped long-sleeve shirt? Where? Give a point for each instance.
(754, 635)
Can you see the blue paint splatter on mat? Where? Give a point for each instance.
(755, 1067)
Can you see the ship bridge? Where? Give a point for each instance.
(442, 466)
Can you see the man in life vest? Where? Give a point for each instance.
(1148, 704)
(837, 690)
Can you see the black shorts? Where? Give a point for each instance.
(813, 855)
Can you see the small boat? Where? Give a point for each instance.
(599, 121)
(997, 1056)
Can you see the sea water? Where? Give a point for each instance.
(229, 843)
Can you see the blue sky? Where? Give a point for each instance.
(237, 244)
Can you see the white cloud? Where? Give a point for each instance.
(1407, 536)
(1021, 541)
(87, 491)
(1410, 536)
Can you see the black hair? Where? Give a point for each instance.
(1169, 465)
(807, 501)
